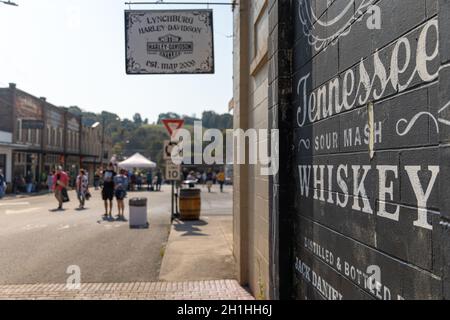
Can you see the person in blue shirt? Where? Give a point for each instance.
(139, 181)
(209, 179)
(158, 181)
(121, 186)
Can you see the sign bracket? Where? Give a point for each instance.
(233, 4)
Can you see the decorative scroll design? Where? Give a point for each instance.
(304, 143)
(309, 22)
(410, 124)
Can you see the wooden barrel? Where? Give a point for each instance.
(190, 204)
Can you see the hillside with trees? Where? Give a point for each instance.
(138, 135)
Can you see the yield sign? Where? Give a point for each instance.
(172, 125)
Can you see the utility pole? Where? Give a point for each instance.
(102, 154)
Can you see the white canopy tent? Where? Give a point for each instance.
(137, 161)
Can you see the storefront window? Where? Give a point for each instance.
(38, 136)
(54, 137)
(31, 136)
(49, 136)
(19, 130)
(60, 138)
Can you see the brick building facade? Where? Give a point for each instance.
(36, 137)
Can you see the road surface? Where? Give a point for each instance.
(38, 245)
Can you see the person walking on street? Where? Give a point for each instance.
(191, 176)
(149, 181)
(133, 182)
(221, 179)
(108, 190)
(129, 173)
(82, 185)
(191, 179)
(121, 185)
(2, 184)
(158, 181)
(50, 180)
(97, 179)
(60, 183)
(29, 182)
(204, 177)
(43, 181)
(209, 180)
(155, 182)
(17, 184)
(139, 181)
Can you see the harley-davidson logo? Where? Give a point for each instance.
(170, 47)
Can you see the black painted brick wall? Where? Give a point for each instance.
(280, 96)
(414, 261)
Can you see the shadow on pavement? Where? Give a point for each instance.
(190, 228)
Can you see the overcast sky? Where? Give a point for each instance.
(73, 53)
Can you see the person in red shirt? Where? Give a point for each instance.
(60, 182)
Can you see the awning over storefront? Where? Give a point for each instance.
(89, 159)
(13, 146)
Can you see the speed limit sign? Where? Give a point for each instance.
(173, 171)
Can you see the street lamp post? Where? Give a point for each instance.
(102, 155)
(95, 125)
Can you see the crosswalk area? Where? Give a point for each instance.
(192, 290)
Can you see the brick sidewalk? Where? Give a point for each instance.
(194, 290)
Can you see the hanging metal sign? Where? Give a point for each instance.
(169, 41)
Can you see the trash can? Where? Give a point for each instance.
(190, 204)
(138, 213)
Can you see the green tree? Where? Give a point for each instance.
(168, 115)
(190, 120)
(137, 118)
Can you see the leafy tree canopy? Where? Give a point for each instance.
(137, 135)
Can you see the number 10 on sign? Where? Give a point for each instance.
(173, 172)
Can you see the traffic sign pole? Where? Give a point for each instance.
(173, 197)
(172, 170)
(177, 190)
(173, 175)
